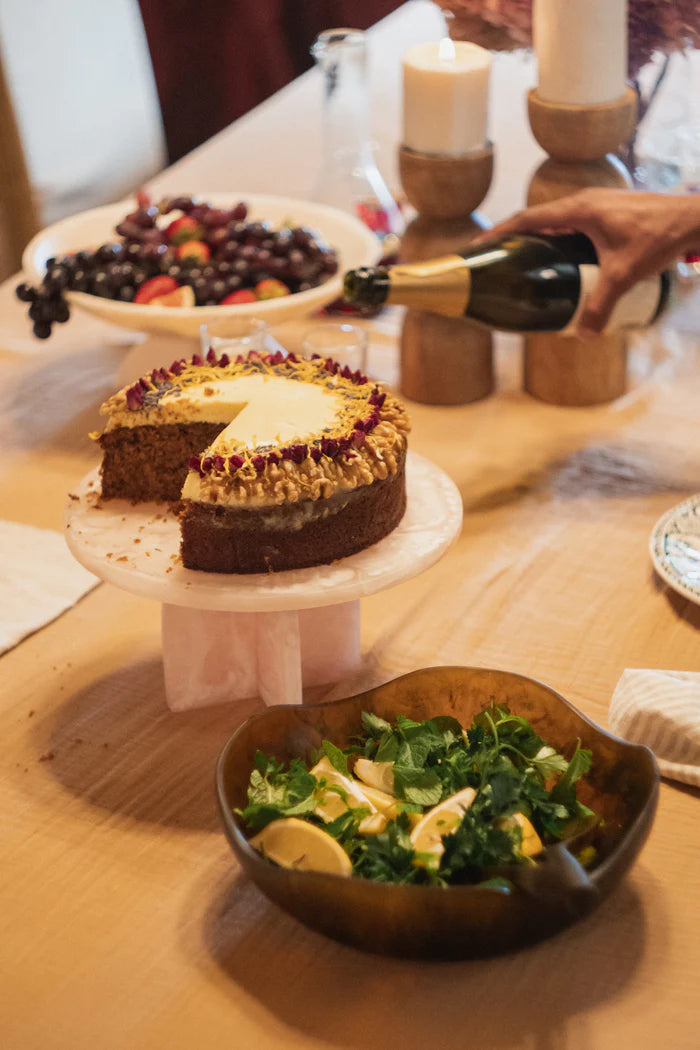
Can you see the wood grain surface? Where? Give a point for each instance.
(124, 921)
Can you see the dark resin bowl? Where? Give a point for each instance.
(460, 921)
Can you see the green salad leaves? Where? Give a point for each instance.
(524, 791)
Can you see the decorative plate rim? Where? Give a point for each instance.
(657, 548)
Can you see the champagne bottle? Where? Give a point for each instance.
(520, 283)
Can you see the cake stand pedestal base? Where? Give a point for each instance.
(229, 637)
(213, 657)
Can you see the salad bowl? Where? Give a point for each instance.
(459, 921)
(354, 243)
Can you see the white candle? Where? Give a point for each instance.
(581, 48)
(445, 97)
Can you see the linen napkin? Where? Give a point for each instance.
(39, 579)
(662, 710)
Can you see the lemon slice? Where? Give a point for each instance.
(378, 775)
(426, 837)
(330, 803)
(531, 843)
(294, 843)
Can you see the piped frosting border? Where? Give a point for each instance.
(365, 443)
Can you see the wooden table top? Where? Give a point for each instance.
(124, 920)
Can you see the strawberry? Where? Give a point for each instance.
(196, 251)
(155, 287)
(243, 295)
(184, 229)
(271, 288)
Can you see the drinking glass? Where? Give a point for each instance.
(345, 343)
(233, 335)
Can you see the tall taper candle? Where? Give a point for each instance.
(581, 48)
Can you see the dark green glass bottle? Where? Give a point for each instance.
(520, 283)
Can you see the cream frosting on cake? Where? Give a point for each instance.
(292, 429)
(266, 408)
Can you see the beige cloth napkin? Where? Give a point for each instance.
(39, 579)
(662, 710)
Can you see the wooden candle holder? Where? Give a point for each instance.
(443, 187)
(559, 369)
(554, 178)
(581, 133)
(444, 361)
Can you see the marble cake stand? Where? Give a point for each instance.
(232, 637)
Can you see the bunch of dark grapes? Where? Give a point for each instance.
(232, 256)
(113, 271)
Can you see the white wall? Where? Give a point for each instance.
(80, 76)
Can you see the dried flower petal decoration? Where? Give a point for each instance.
(134, 397)
(236, 470)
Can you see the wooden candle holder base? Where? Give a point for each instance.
(565, 370)
(444, 187)
(554, 179)
(576, 133)
(444, 361)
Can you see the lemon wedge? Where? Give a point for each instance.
(379, 775)
(387, 804)
(330, 803)
(383, 802)
(374, 824)
(294, 843)
(426, 837)
(531, 843)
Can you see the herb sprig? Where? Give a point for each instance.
(512, 770)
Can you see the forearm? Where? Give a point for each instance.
(690, 224)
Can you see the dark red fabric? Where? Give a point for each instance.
(213, 60)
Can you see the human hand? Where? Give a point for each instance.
(635, 235)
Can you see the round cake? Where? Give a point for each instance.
(275, 462)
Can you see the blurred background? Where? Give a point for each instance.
(95, 98)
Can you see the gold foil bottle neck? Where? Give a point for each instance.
(441, 285)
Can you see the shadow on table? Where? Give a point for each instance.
(117, 746)
(616, 470)
(605, 471)
(683, 608)
(349, 999)
(57, 402)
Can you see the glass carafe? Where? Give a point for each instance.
(348, 177)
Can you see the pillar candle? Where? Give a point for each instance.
(445, 97)
(581, 48)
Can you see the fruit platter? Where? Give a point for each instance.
(173, 263)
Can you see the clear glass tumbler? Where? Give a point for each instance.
(345, 343)
(233, 335)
